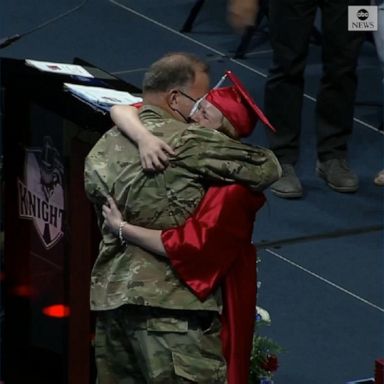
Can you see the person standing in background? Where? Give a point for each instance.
(290, 25)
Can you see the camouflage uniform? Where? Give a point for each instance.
(163, 348)
(131, 275)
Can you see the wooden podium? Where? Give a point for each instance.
(50, 233)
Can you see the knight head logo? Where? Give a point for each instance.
(51, 168)
(41, 195)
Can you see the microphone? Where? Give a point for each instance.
(6, 41)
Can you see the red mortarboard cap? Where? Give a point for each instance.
(237, 106)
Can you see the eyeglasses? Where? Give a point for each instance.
(197, 106)
(196, 102)
(187, 96)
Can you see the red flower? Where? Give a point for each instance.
(270, 364)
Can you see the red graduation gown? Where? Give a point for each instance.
(214, 247)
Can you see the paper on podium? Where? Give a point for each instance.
(101, 98)
(59, 68)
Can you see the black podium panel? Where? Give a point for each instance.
(50, 234)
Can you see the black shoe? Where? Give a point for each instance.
(288, 186)
(338, 175)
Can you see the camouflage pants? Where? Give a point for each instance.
(137, 345)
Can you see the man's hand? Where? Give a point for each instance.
(154, 153)
(242, 13)
(112, 215)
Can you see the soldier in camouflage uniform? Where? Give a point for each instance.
(150, 327)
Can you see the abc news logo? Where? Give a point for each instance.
(362, 18)
(362, 14)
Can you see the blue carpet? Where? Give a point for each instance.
(328, 336)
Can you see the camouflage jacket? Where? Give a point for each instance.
(161, 200)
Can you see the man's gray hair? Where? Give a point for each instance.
(174, 70)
